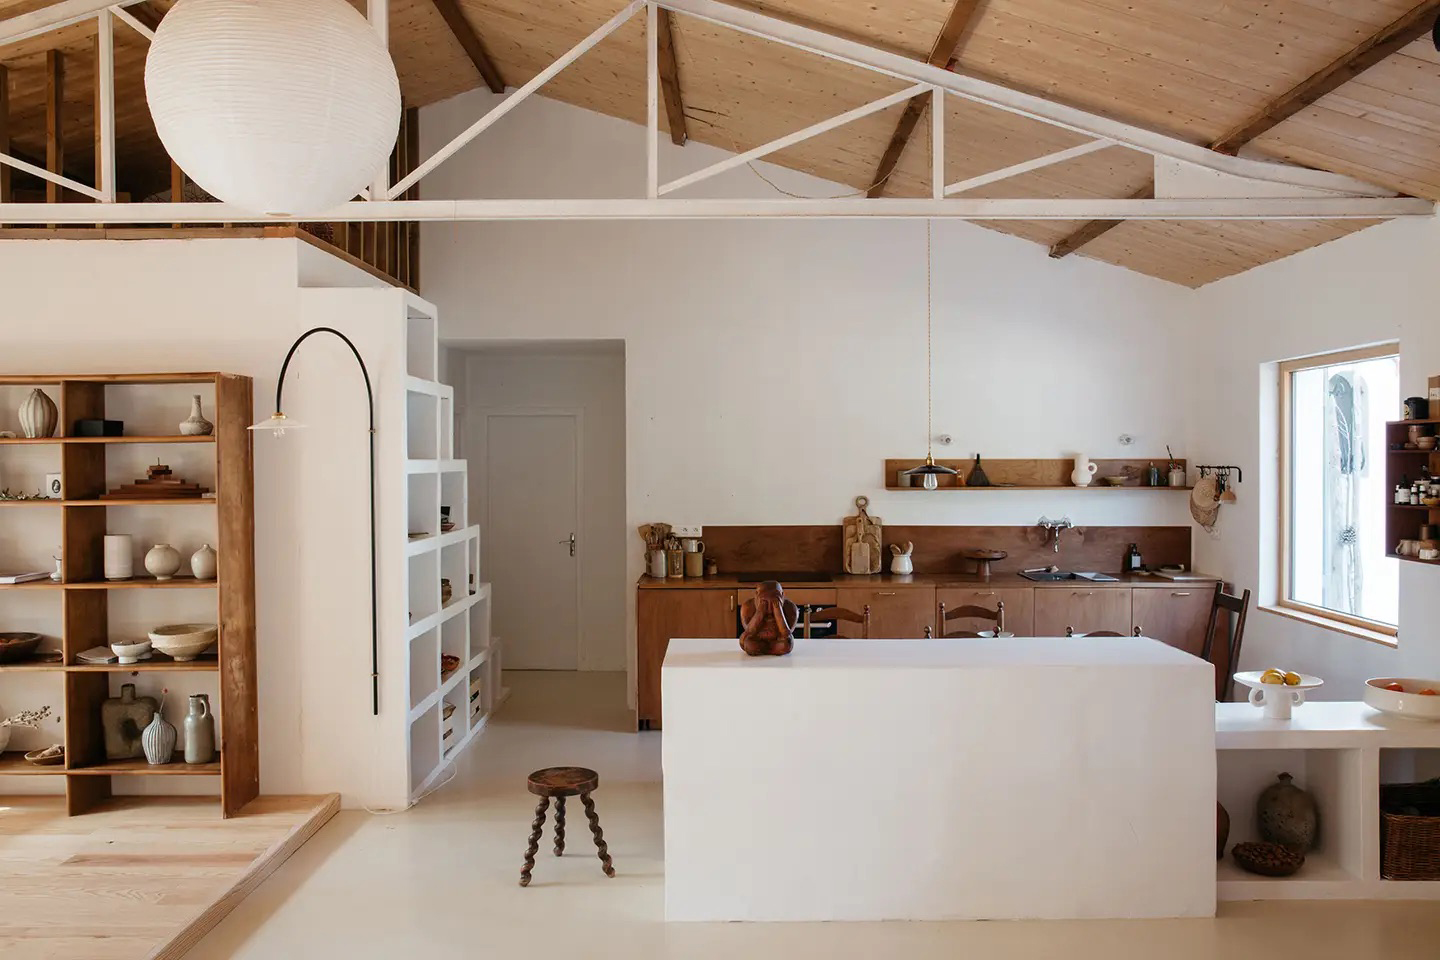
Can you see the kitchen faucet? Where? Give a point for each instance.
(1055, 527)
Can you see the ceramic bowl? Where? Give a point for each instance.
(49, 757)
(184, 641)
(17, 646)
(1277, 699)
(131, 651)
(991, 634)
(1408, 704)
(1425, 443)
(1113, 481)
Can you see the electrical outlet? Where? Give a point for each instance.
(687, 530)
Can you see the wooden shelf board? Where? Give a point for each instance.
(131, 502)
(158, 663)
(1396, 556)
(1413, 450)
(85, 441)
(46, 584)
(40, 662)
(1412, 506)
(115, 379)
(1411, 423)
(141, 583)
(141, 767)
(13, 762)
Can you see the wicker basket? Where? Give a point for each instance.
(1410, 831)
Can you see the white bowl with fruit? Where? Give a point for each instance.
(1404, 697)
(1277, 691)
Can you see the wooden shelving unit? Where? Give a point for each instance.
(1403, 521)
(84, 620)
(1052, 474)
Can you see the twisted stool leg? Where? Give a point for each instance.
(559, 826)
(536, 828)
(604, 851)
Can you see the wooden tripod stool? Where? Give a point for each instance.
(562, 782)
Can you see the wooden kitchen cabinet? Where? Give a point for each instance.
(902, 613)
(662, 615)
(1084, 611)
(1019, 608)
(1174, 616)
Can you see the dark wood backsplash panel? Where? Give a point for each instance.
(938, 549)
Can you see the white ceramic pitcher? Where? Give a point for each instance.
(1084, 470)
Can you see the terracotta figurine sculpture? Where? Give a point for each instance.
(769, 621)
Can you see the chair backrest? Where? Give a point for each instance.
(1070, 632)
(971, 612)
(839, 613)
(1224, 671)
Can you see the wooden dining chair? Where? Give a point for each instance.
(971, 611)
(838, 613)
(1235, 635)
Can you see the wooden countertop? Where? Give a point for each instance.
(732, 581)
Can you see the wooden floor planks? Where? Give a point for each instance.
(142, 878)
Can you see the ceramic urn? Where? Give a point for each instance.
(163, 561)
(38, 415)
(202, 563)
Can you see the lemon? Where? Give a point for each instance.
(1272, 676)
(1292, 678)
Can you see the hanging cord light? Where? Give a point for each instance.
(929, 471)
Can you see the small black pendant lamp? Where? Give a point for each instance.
(929, 471)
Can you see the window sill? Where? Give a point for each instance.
(1327, 623)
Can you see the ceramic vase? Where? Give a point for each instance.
(1084, 471)
(199, 730)
(123, 720)
(119, 556)
(38, 415)
(163, 561)
(1287, 815)
(158, 741)
(196, 425)
(202, 563)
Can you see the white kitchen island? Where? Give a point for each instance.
(939, 779)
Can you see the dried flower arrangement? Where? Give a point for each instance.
(8, 494)
(26, 718)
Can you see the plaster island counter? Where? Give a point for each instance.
(1022, 778)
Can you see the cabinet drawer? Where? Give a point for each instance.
(1019, 608)
(1084, 611)
(902, 613)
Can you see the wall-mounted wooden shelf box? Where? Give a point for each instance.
(84, 609)
(1402, 467)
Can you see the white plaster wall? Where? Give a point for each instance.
(772, 366)
(1369, 287)
(232, 305)
(591, 380)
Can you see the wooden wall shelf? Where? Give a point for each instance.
(1404, 520)
(1051, 474)
(84, 615)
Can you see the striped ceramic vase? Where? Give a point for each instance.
(38, 415)
(158, 739)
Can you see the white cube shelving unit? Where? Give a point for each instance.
(1341, 752)
(436, 481)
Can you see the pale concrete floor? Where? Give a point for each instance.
(440, 881)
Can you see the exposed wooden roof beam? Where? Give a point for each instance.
(147, 13)
(1395, 36)
(54, 122)
(470, 41)
(670, 80)
(946, 49)
(1403, 32)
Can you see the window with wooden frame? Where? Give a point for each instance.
(1333, 564)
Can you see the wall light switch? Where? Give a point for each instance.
(687, 530)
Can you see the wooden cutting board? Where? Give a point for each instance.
(862, 540)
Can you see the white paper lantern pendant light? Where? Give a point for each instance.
(276, 106)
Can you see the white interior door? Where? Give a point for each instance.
(533, 483)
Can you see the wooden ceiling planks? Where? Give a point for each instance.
(1195, 68)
